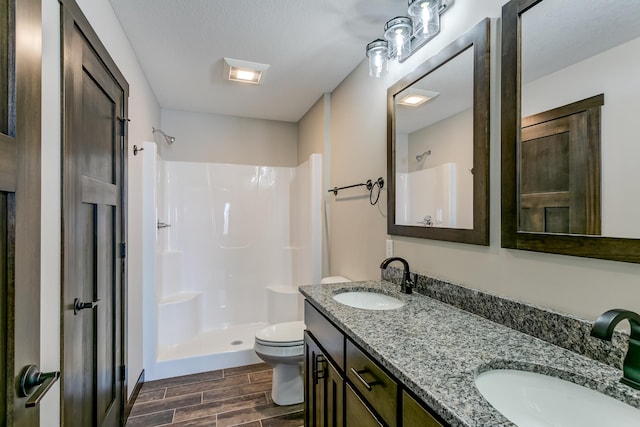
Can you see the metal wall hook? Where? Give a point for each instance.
(136, 149)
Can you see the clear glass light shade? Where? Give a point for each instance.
(398, 33)
(426, 17)
(378, 54)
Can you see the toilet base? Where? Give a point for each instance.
(288, 386)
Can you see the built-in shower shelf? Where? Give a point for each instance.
(179, 298)
(179, 318)
(284, 289)
(169, 253)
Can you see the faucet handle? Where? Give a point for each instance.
(409, 284)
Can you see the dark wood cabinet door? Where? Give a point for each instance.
(356, 412)
(324, 388)
(413, 414)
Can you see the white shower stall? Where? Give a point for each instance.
(218, 239)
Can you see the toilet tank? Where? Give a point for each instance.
(283, 304)
(333, 279)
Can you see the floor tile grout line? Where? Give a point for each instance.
(166, 409)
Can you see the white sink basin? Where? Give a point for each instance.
(530, 399)
(368, 300)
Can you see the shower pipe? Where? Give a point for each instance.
(168, 138)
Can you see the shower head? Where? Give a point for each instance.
(168, 139)
(420, 157)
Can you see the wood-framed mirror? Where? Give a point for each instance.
(438, 144)
(569, 143)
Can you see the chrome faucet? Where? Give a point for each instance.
(603, 329)
(407, 284)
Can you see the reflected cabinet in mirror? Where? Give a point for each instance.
(570, 144)
(438, 145)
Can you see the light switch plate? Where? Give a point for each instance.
(389, 248)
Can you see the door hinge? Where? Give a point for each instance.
(123, 250)
(123, 372)
(123, 125)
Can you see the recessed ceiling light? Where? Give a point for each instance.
(244, 71)
(415, 97)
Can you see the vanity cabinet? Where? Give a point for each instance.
(345, 386)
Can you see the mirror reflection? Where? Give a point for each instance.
(578, 152)
(438, 144)
(434, 147)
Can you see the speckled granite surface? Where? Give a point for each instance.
(436, 350)
(560, 329)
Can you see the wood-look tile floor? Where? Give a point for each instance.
(227, 397)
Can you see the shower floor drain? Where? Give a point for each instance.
(236, 342)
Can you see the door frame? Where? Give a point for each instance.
(69, 8)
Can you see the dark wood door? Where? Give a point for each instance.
(93, 233)
(20, 127)
(560, 170)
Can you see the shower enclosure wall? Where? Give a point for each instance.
(223, 235)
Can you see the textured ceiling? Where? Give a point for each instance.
(311, 47)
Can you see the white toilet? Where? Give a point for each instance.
(281, 345)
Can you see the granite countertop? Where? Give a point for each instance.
(436, 350)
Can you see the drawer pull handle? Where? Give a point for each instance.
(362, 380)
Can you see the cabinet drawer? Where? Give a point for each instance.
(357, 414)
(380, 391)
(327, 335)
(413, 414)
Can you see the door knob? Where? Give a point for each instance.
(79, 305)
(32, 379)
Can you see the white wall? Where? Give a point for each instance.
(144, 112)
(584, 287)
(311, 131)
(215, 138)
(314, 137)
(450, 141)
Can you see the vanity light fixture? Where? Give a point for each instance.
(415, 97)
(397, 32)
(406, 35)
(378, 54)
(244, 71)
(425, 15)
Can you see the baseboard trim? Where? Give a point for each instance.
(136, 390)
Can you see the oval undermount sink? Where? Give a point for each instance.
(368, 300)
(529, 399)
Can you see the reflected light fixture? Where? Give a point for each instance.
(415, 97)
(244, 71)
(406, 35)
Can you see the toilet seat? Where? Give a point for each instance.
(288, 334)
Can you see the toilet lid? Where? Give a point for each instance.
(282, 334)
